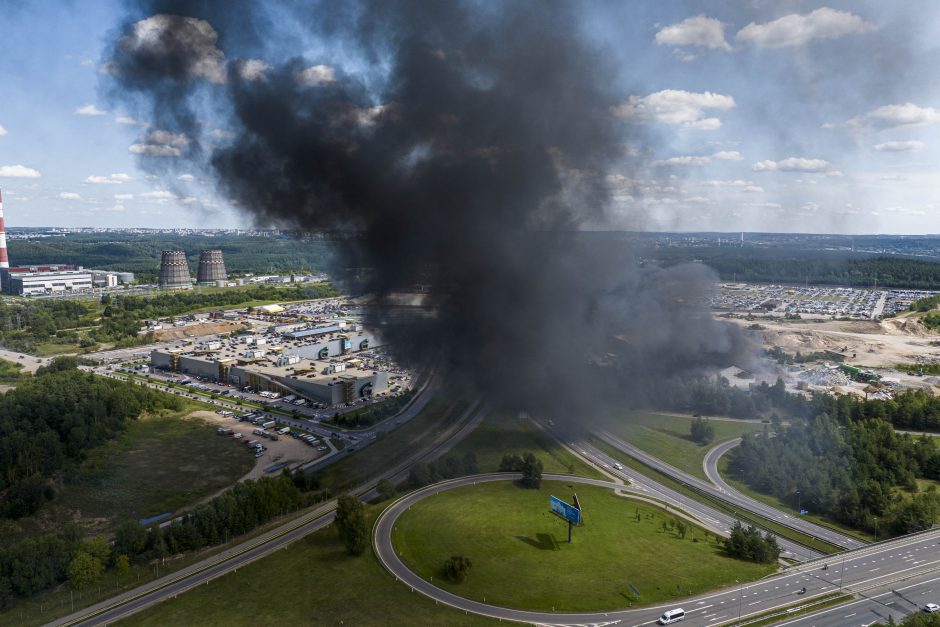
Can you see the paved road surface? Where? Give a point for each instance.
(873, 568)
(202, 573)
(707, 516)
(732, 496)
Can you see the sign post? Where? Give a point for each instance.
(569, 513)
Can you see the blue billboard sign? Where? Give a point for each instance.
(569, 512)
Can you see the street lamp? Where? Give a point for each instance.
(799, 508)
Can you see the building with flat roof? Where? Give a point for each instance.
(49, 282)
(324, 370)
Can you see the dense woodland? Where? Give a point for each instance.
(813, 266)
(48, 422)
(140, 254)
(850, 471)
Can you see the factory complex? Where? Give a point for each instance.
(329, 363)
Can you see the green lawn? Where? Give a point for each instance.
(159, 464)
(509, 535)
(500, 435)
(667, 437)
(745, 517)
(314, 582)
(50, 349)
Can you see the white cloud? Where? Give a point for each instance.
(252, 69)
(706, 32)
(906, 146)
(194, 40)
(114, 179)
(166, 138)
(188, 200)
(69, 196)
(154, 150)
(3, 131)
(124, 197)
(728, 155)
(796, 30)
(735, 183)
(89, 109)
(18, 172)
(698, 199)
(186, 177)
(160, 194)
(129, 121)
(315, 75)
(674, 106)
(795, 164)
(754, 189)
(219, 133)
(683, 161)
(894, 116)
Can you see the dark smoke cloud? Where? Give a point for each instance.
(466, 144)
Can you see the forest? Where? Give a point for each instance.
(48, 421)
(140, 254)
(812, 266)
(42, 562)
(850, 471)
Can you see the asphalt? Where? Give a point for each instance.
(707, 516)
(720, 489)
(872, 570)
(203, 572)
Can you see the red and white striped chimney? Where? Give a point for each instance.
(4, 258)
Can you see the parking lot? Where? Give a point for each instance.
(814, 301)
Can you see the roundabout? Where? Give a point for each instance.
(538, 591)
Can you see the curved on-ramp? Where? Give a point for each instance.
(385, 551)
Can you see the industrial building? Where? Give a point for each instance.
(174, 270)
(48, 282)
(4, 258)
(211, 269)
(325, 369)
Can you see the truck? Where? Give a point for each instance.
(268, 424)
(283, 430)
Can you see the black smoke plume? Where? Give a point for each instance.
(466, 144)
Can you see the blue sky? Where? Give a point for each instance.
(774, 116)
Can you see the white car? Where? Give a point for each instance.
(618, 466)
(931, 608)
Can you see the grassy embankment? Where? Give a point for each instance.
(11, 372)
(509, 535)
(314, 582)
(667, 437)
(500, 434)
(744, 517)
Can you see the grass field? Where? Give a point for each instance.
(524, 542)
(314, 582)
(667, 437)
(500, 435)
(11, 372)
(744, 517)
(159, 464)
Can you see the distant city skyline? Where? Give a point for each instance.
(760, 116)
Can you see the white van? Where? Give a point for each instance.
(671, 616)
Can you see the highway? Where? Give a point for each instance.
(871, 570)
(202, 573)
(731, 496)
(705, 515)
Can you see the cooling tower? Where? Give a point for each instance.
(211, 267)
(174, 271)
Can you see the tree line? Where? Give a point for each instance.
(42, 562)
(48, 421)
(845, 470)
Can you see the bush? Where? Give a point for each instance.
(457, 568)
(702, 431)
